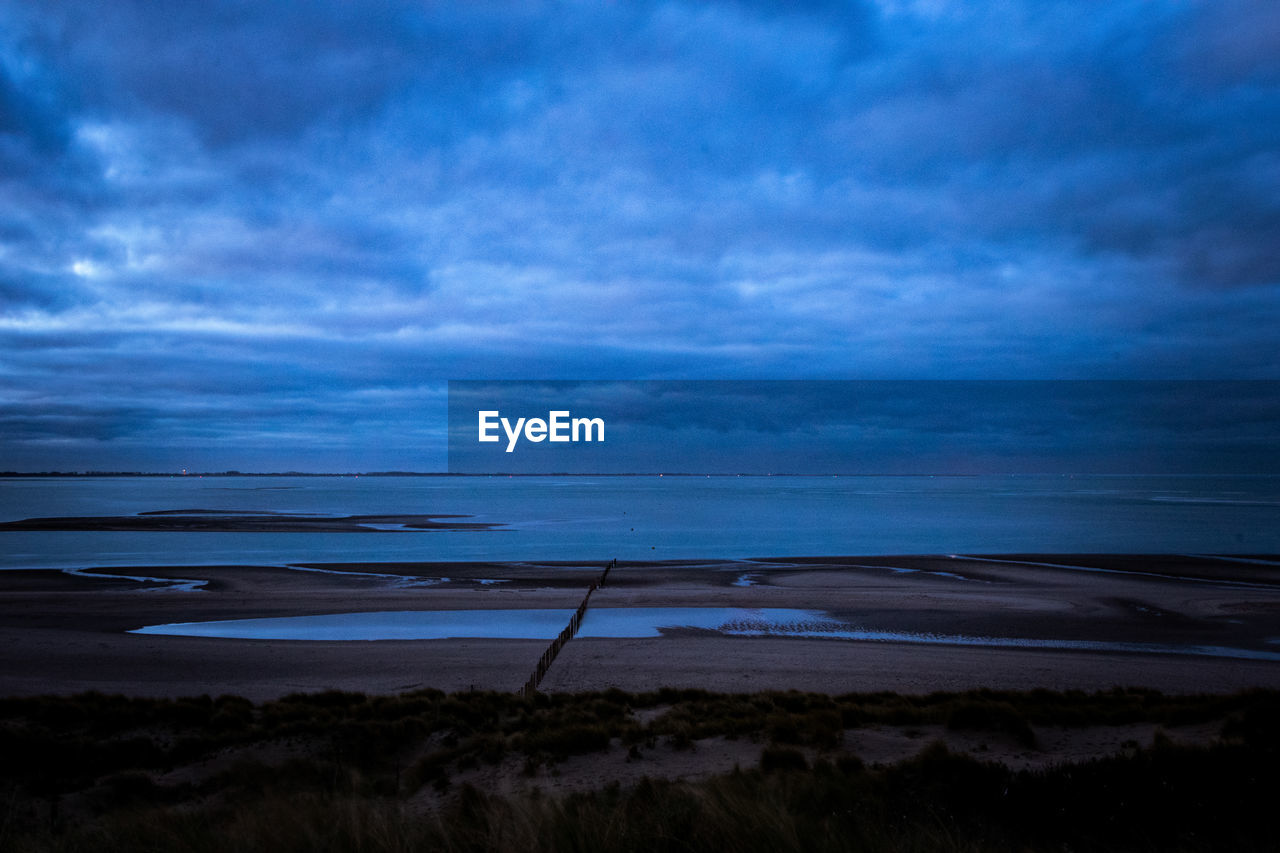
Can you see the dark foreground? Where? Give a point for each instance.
(606, 771)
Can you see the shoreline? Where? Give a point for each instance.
(63, 631)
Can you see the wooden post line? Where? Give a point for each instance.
(570, 631)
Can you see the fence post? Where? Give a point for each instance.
(530, 687)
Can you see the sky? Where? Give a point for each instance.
(868, 427)
(263, 235)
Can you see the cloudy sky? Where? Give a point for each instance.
(262, 235)
(950, 426)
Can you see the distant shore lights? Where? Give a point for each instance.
(558, 426)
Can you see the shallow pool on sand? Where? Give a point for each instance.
(631, 622)
(514, 624)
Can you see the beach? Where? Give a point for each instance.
(1179, 624)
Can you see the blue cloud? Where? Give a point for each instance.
(307, 202)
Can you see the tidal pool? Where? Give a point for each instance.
(633, 622)
(515, 624)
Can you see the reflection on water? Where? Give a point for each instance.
(527, 624)
(632, 622)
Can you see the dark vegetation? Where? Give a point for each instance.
(344, 771)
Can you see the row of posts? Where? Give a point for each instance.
(548, 657)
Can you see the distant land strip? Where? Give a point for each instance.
(199, 474)
(208, 520)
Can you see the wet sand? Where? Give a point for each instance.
(65, 633)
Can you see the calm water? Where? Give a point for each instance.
(615, 622)
(633, 518)
(529, 624)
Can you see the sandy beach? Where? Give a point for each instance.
(64, 633)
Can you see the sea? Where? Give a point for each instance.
(594, 519)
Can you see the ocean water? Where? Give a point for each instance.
(637, 518)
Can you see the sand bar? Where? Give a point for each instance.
(65, 632)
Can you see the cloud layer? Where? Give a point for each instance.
(252, 235)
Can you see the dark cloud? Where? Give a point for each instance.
(27, 124)
(235, 200)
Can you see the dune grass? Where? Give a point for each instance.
(348, 772)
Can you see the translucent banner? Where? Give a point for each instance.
(864, 427)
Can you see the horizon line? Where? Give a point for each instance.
(234, 473)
